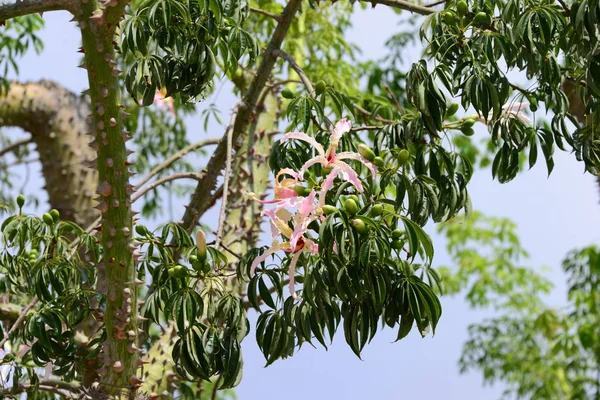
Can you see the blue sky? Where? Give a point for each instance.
(553, 215)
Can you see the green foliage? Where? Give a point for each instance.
(40, 259)
(16, 37)
(545, 353)
(175, 44)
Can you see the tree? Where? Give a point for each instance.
(347, 218)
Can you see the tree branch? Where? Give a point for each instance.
(303, 77)
(180, 154)
(19, 321)
(14, 146)
(179, 175)
(20, 8)
(229, 134)
(265, 13)
(403, 5)
(216, 163)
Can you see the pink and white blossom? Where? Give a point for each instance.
(330, 159)
(513, 109)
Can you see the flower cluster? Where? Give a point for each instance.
(292, 227)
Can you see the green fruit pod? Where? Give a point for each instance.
(366, 152)
(320, 88)
(377, 210)
(351, 207)
(48, 219)
(287, 93)
(55, 215)
(327, 209)
(360, 226)
(462, 8)
(20, 200)
(403, 156)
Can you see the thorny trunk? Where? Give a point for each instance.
(98, 22)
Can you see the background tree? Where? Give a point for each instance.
(357, 275)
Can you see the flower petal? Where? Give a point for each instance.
(315, 160)
(343, 126)
(358, 157)
(263, 257)
(304, 137)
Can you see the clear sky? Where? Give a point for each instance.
(554, 216)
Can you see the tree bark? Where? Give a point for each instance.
(55, 117)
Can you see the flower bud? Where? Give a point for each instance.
(366, 152)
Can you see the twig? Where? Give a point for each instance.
(233, 253)
(48, 385)
(265, 13)
(13, 146)
(307, 83)
(437, 3)
(403, 5)
(23, 162)
(180, 154)
(395, 100)
(229, 134)
(179, 175)
(216, 388)
(20, 8)
(377, 117)
(19, 321)
(202, 194)
(366, 128)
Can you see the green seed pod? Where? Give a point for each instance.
(301, 190)
(55, 215)
(205, 268)
(403, 156)
(377, 210)
(179, 271)
(451, 110)
(467, 123)
(320, 88)
(396, 244)
(193, 258)
(449, 18)
(480, 18)
(378, 161)
(366, 152)
(201, 245)
(197, 265)
(467, 130)
(48, 219)
(351, 207)
(355, 198)
(462, 8)
(396, 233)
(141, 230)
(287, 93)
(67, 228)
(20, 200)
(326, 171)
(327, 209)
(360, 226)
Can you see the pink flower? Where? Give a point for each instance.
(284, 189)
(331, 159)
(296, 242)
(162, 101)
(513, 109)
